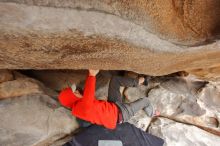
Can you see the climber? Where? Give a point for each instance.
(100, 112)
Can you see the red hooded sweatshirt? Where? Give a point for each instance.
(88, 108)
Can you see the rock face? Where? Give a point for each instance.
(183, 99)
(33, 120)
(177, 134)
(60, 79)
(5, 75)
(18, 87)
(110, 35)
(197, 109)
(182, 22)
(211, 73)
(29, 114)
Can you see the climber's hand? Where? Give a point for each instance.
(93, 72)
(141, 80)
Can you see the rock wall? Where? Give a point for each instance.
(30, 113)
(155, 38)
(183, 22)
(180, 134)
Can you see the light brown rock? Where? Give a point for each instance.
(19, 87)
(183, 22)
(48, 38)
(210, 73)
(5, 75)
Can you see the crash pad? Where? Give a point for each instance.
(126, 133)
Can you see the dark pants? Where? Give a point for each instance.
(128, 110)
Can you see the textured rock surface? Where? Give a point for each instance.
(183, 99)
(18, 87)
(141, 120)
(31, 117)
(183, 22)
(59, 38)
(33, 120)
(210, 73)
(211, 95)
(102, 84)
(178, 134)
(133, 93)
(196, 109)
(59, 79)
(5, 75)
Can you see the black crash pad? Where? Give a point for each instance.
(128, 134)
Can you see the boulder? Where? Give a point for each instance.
(182, 85)
(19, 87)
(181, 22)
(186, 109)
(5, 75)
(178, 134)
(211, 73)
(59, 79)
(107, 35)
(210, 95)
(33, 120)
(141, 120)
(134, 93)
(102, 84)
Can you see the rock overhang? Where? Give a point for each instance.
(36, 37)
(184, 22)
